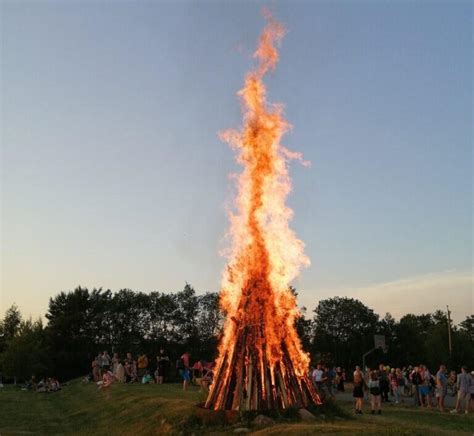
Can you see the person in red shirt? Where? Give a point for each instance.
(184, 370)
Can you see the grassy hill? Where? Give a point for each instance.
(156, 410)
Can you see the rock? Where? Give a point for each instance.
(306, 416)
(241, 430)
(262, 420)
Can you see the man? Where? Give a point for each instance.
(317, 378)
(441, 387)
(464, 382)
(358, 392)
(331, 375)
(184, 370)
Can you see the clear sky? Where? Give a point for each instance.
(113, 175)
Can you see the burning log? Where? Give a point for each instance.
(261, 364)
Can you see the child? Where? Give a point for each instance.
(146, 379)
(107, 379)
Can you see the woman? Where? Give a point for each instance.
(394, 385)
(115, 362)
(401, 382)
(162, 361)
(358, 392)
(341, 378)
(120, 373)
(374, 392)
(425, 387)
(95, 370)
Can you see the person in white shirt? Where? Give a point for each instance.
(317, 377)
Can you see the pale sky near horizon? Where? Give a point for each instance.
(113, 176)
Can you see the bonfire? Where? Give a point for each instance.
(261, 364)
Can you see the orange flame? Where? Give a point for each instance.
(265, 254)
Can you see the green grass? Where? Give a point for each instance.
(166, 409)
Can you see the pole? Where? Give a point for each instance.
(364, 356)
(449, 332)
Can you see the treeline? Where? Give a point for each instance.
(81, 323)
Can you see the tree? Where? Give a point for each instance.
(411, 334)
(344, 327)
(304, 327)
(467, 326)
(78, 326)
(11, 322)
(27, 353)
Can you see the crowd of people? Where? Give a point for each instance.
(106, 370)
(408, 384)
(44, 385)
(412, 385)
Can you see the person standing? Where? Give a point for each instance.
(472, 391)
(317, 378)
(384, 383)
(162, 361)
(441, 387)
(394, 385)
(331, 376)
(341, 377)
(401, 383)
(184, 370)
(426, 387)
(374, 392)
(464, 383)
(358, 392)
(416, 381)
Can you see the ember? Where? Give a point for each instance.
(261, 364)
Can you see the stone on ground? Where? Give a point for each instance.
(306, 416)
(262, 420)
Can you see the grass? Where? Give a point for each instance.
(156, 410)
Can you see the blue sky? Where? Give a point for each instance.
(113, 175)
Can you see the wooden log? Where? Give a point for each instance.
(240, 373)
(249, 384)
(268, 392)
(283, 390)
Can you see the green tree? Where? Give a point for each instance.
(27, 353)
(11, 323)
(411, 333)
(343, 327)
(467, 326)
(78, 327)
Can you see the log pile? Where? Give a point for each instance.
(245, 380)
